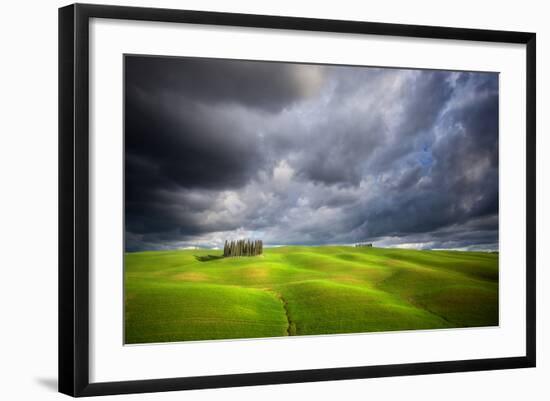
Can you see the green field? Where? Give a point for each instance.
(300, 290)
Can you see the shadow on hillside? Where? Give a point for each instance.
(208, 258)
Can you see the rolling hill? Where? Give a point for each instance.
(305, 290)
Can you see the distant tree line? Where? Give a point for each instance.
(243, 248)
(364, 244)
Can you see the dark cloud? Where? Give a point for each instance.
(308, 154)
(259, 85)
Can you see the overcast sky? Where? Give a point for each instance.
(308, 154)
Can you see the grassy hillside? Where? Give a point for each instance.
(295, 290)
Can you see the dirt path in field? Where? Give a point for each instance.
(291, 327)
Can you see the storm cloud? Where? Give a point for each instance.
(308, 154)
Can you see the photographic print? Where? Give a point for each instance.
(271, 199)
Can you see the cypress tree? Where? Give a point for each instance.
(243, 247)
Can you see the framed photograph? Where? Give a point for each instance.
(251, 199)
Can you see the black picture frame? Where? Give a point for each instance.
(74, 198)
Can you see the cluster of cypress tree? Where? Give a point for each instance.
(243, 248)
